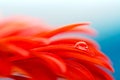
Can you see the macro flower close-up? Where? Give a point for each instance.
(30, 50)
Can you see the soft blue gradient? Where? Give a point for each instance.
(103, 14)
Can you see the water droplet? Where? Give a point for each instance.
(81, 45)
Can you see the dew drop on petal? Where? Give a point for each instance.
(81, 45)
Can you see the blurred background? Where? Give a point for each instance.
(104, 16)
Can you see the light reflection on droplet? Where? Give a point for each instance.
(81, 45)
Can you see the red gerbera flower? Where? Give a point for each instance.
(32, 51)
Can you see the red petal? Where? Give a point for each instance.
(15, 77)
(73, 41)
(56, 64)
(76, 71)
(5, 68)
(21, 26)
(98, 73)
(35, 69)
(63, 29)
(74, 53)
(25, 42)
(88, 59)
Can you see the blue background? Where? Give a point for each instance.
(103, 14)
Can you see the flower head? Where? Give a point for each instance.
(32, 51)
